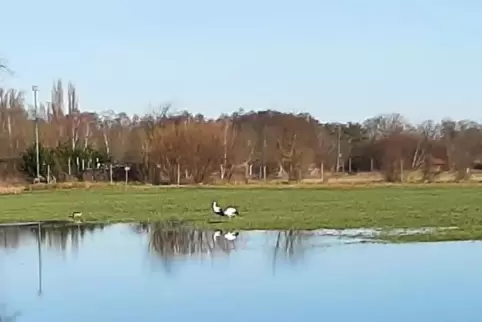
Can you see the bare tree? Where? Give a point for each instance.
(171, 147)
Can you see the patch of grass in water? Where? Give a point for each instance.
(458, 234)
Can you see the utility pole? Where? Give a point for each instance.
(225, 158)
(264, 152)
(35, 90)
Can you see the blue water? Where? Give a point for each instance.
(113, 274)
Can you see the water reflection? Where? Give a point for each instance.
(291, 245)
(53, 236)
(169, 241)
(8, 317)
(110, 280)
(166, 240)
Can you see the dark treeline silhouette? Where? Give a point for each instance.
(167, 147)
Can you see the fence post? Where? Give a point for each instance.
(178, 174)
(126, 168)
(110, 173)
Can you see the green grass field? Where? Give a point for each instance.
(265, 208)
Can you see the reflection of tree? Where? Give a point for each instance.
(291, 245)
(9, 318)
(171, 240)
(56, 236)
(6, 317)
(140, 228)
(53, 235)
(11, 237)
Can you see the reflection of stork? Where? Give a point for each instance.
(229, 235)
(227, 242)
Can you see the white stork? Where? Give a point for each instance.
(228, 212)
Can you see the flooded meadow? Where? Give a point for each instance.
(153, 272)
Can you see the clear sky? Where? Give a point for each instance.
(339, 60)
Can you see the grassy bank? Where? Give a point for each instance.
(266, 208)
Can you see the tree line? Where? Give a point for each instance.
(179, 147)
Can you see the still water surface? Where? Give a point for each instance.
(143, 273)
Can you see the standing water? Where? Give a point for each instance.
(151, 273)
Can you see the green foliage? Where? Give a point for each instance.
(29, 160)
(64, 152)
(58, 159)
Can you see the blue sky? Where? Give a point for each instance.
(338, 60)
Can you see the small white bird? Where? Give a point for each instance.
(76, 215)
(228, 212)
